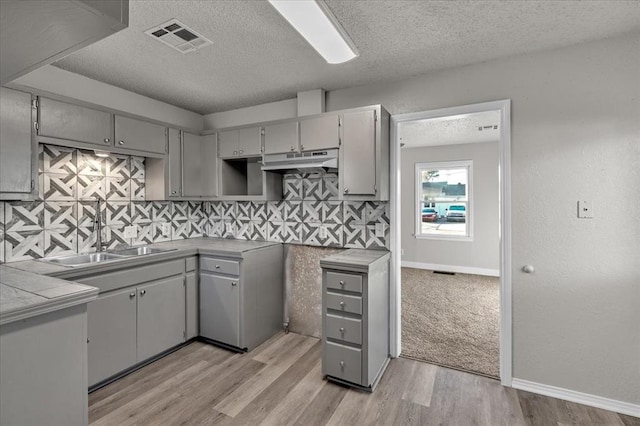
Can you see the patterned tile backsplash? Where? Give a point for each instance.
(61, 221)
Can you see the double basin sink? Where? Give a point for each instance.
(89, 258)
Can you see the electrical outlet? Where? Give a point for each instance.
(131, 231)
(322, 232)
(380, 230)
(585, 210)
(229, 228)
(166, 229)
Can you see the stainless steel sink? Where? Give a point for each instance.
(140, 251)
(82, 259)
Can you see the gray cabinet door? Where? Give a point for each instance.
(359, 153)
(220, 308)
(16, 142)
(319, 133)
(192, 165)
(280, 138)
(65, 121)
(250, 141)
(175, 163)
(140, 135)
(111, 332)
(209, 161)
(228, 143)
(191, 291)
(161, 316)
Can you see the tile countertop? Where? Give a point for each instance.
(179, 248)
(25, 294)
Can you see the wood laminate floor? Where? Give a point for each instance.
(280, 383)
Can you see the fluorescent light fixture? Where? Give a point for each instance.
(99, 153)
(315, 22)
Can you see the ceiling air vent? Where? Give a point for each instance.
(178, 36)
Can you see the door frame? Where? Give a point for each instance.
(504, 177)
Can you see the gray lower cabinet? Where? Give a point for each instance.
(111, 334)
(355, 317)
(18, 147)
(141, 312)
(241, 300)
(161, 316)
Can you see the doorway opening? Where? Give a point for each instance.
(450, 239)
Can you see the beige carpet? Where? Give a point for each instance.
(451, 320)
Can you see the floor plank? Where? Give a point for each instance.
(281, 383)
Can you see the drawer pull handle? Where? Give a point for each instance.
(342, 364)
(342, 283)
(342, 304)
(217, 266)
(143, 292)
(342, 330)
(234, 283)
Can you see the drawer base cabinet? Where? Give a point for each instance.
(241, 300)
(355, 317)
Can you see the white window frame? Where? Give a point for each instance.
(439, 165)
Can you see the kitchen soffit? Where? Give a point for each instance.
(257, 57)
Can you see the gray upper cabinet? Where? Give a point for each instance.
(199, 165)
(245, 142)
(62, 120)
(319, 133)
(161, 316)
(18, 147)
(111, 334)
(140, 135)
(37, 33)
(281, 138)
(359, 153)
(364, 154)
(174, 161)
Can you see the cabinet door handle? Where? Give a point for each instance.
(217, 266)
(132, 295)
(342, 330)
(107, 140)
(174, 192)
(241, 151)
(233, 283)
(235, 152)
(342, 304)
(301, 147)
(143, 292)
(342, 364)
(346, 190)
(292, 148)
(342, 283)
(120, 142)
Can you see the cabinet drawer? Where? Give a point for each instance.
(343, 362)
(343, 328)
(344, 303)
(343, 281)
(222, 266)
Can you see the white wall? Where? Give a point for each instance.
(575, 135)
(484, 251)
(253, 114)
(64, 83)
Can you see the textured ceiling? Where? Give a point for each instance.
(257, 57)
(453, 130)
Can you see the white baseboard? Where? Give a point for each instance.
(452, 268)
(579, 397)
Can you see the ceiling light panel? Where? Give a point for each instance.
(315, 22)
(178, 36)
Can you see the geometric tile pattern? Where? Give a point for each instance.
(61, 221)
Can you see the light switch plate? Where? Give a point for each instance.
(131, 231)
(380, 230)
(166, 229)
(585, 209)
(322, 232)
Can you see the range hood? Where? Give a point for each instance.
(306, 161)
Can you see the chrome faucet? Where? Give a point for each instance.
(97, 225)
